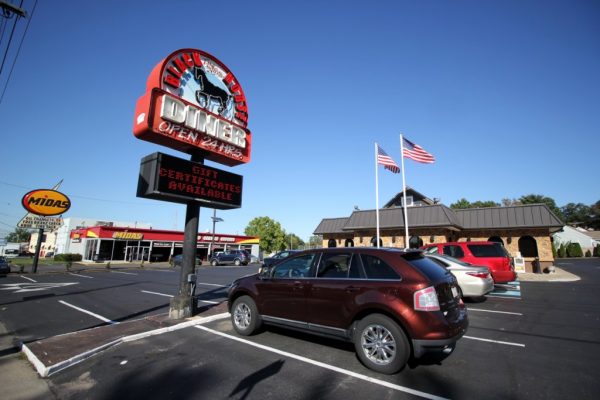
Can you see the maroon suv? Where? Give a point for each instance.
(392, 304)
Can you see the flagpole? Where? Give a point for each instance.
(406, 245)
(376, 196)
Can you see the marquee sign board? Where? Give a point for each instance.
(46, 202)
(168, 178)
(31, 221)
(194, 103)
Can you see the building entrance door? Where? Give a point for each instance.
(137, 253)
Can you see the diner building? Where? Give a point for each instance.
(524, 230)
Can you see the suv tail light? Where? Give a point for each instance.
(426, 300)
(482, 275)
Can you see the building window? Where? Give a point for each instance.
(528, 246)
(331, 243)
(349, 243)
(374, 242)
(409, 201)
(496, 239)
(415, 242)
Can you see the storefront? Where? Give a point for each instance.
(101, 243)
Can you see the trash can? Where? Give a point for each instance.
(536, 266)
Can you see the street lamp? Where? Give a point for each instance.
(215, 219)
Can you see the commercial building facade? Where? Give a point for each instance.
(524, 230)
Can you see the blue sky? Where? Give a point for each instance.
(505, 94)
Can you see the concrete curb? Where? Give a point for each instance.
(45, 371)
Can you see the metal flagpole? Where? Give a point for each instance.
(406, 245)
(376, 196)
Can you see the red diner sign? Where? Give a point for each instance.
(193, 102)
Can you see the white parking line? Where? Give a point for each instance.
(120, 272)
(495, 341)
(169, 295)
(156, 293)
(29, 279)
(497, 312)
(83, 276)
(210, 284)
(326, 366)
(100, 317)
(503, 297)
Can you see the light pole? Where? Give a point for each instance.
(215, 219)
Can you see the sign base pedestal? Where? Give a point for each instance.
(181, 307)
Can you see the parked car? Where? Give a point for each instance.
(236, 257)
(473, 280)
(4, 266)
(280, 255)
(390, 303)
(178, 260)
(490, 254)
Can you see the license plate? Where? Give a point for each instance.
(454, 292)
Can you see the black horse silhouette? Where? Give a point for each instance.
(209, 92)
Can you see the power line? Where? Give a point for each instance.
(18, 50)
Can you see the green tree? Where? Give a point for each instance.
(18, 236)
(576, 213)
(507, 202)
(483, 204)
(541, 199)
(272, 236)
(461, 204)
(315, 241)
(594, 221)
(294, 241)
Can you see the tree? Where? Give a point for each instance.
(461, 204)
(464, 203)
(541, 199)
(576, 214)
(272, 236)
(483, 204)
(510, 202)
(20, 235)
(294, 241)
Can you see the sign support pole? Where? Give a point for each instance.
(182, 304)
(38, 247)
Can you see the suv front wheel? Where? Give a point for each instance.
(381, 344)
(244, 316)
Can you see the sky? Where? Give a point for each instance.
(505, 95)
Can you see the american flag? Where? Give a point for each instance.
(416, 152)
(386, 161)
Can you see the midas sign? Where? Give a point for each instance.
(46, 202)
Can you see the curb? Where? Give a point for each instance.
(46, 370)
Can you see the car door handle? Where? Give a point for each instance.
(352, 289)
(298, 285)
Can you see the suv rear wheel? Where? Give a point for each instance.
(237, 262)
(381, 344)
(214, 263)
(244, 316)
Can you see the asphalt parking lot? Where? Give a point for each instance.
(531, 340)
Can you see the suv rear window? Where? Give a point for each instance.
(428, 267)
(453, 250)
(482, 250)
(376, 268)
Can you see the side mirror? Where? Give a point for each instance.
(264, 272)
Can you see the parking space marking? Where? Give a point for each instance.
(83, 276)
(121, 272)
(326, 366)
(169, 295)
(494, 311)
(156, 293)
(100, 317)
(29, 279)
(210, 284)
(494, 341)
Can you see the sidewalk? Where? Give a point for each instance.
(560, 275)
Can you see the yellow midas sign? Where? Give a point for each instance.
(46, 202)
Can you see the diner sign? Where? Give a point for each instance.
(193, 103)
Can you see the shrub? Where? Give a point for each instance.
(68, 257)
(588, 253)
(562, 251)
(574, 250)
(554, 252)
(597, 251)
